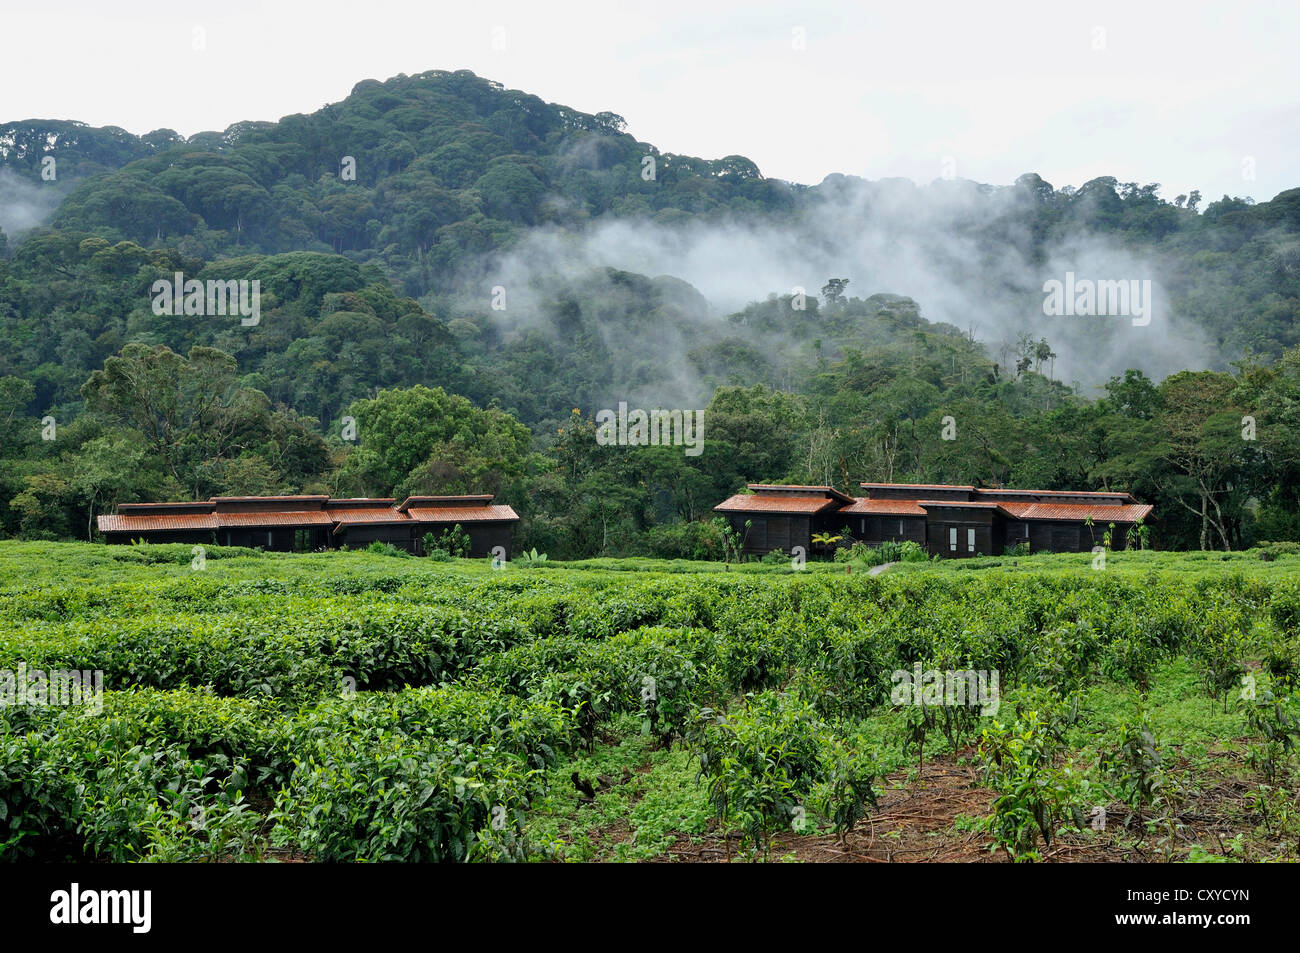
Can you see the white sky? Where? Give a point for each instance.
(1191, 95)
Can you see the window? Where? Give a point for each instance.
(900, 527)
(952, 538)
(970, 540)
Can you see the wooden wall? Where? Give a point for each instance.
(874, 530)
(484, 537)
(772, 531)
(397, 534)
(201, 537)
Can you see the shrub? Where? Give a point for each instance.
(75, 787)
(762, 761)
(890, 551)
(1033, 797)
(849, 774)
(389, 797)
(153, 554)
(694, 540)
(454, 543)
(912, 552)
(1134, 764)
(1270, 551)
(1276, 722)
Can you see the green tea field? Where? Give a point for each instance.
(352, 706)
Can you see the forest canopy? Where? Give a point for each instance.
(367, 225)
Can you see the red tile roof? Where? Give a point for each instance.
(772, 503)
(463, 514)
(864, 506)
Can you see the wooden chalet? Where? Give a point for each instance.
(954, 521)
(782, 517)
(309, 523)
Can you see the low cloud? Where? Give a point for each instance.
(959, 249)
(25, 204)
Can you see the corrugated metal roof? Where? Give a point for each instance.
(1101, 514)
(915, 486)
(337, 513)
(919, 487)
(360, 503)
(776, 489)
(463, 514)
(115, 523)
(434, 502)
(382, 514)
(864, 506)
(202, 507)
(273, 518)
(1099, 494)
(765, 503)
(270, 499)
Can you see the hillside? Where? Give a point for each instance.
(447, 168)
(525, 260)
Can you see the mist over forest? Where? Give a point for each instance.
(439, 241)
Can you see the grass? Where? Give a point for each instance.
(638, 820)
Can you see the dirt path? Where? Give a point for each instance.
(917, 823)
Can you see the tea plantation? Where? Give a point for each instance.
(353, 706)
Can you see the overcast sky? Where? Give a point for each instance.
(1190, 95)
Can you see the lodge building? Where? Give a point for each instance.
(309, 523)
(954, 521)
